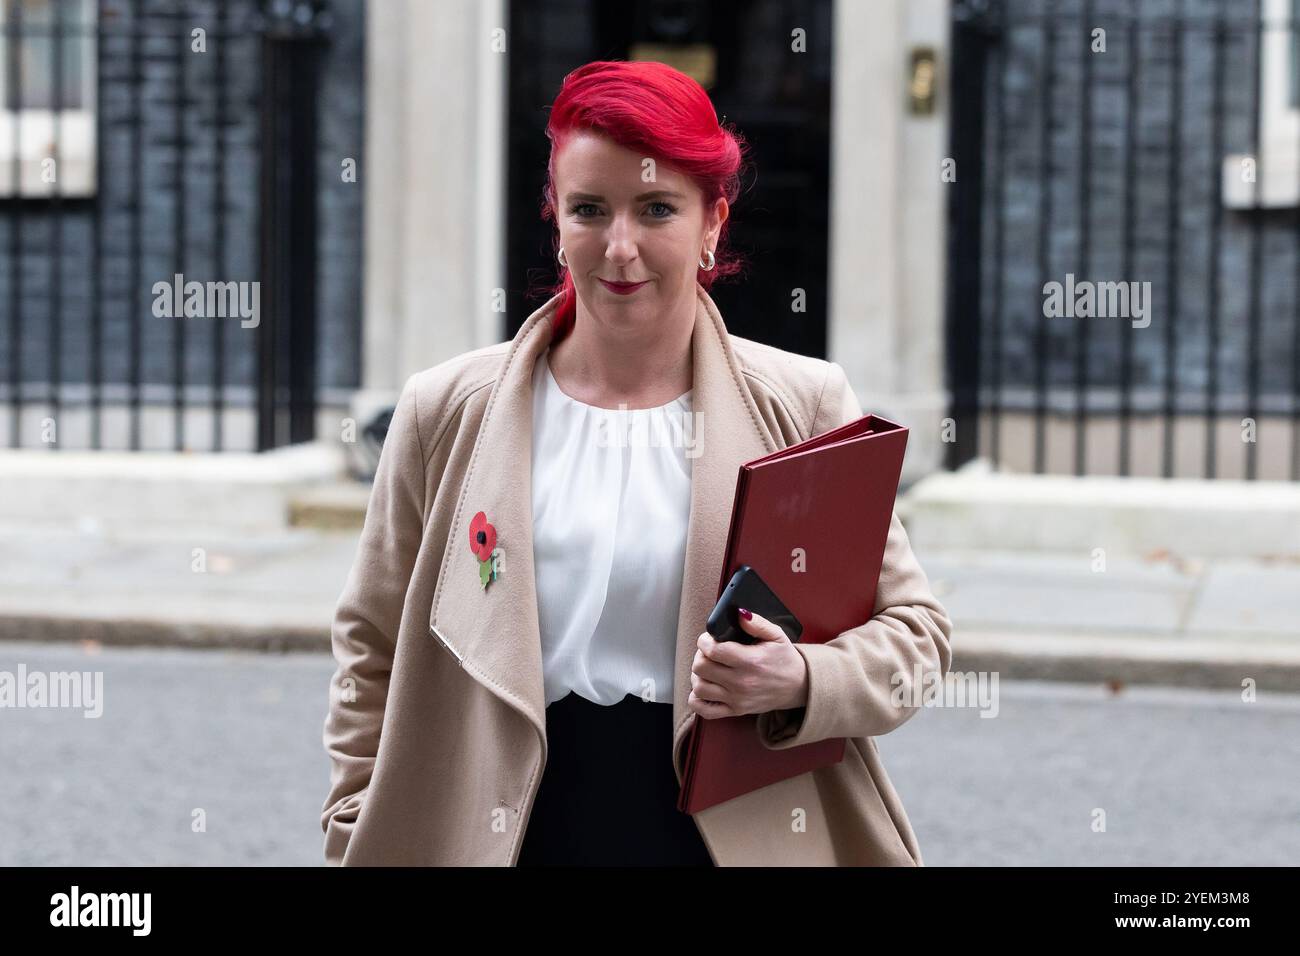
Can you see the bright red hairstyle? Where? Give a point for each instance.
(657, 111)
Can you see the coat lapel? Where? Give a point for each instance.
(729, 432)
(495, 632)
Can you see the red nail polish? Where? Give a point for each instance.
(745, 613)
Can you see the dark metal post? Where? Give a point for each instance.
(972, 32)
(14, 87)
(286, 378)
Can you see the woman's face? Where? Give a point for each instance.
(626, 219)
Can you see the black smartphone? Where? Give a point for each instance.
(746, 589)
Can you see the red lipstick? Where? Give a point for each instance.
(622, 288)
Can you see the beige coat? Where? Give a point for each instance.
(436, 723)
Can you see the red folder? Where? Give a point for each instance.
(833, 496)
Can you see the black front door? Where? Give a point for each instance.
(776, 95)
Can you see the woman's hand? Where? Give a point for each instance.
(729, 678)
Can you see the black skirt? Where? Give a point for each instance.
(608, 795)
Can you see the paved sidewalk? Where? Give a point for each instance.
(1159, 618)
(1035, 615)
(1161, 595)
(274, 591)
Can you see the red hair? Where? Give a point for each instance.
(657, 111)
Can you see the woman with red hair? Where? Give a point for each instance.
(639, 183)
(547, 724)
(662, 116)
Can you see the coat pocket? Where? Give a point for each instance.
(340, 826)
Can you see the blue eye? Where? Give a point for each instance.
(577, 210)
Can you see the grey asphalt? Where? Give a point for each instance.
(1189, 777)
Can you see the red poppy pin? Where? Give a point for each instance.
(483, 541)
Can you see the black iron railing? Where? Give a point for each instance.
(158, 258)
(1096, 141)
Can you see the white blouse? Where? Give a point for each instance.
(611, 494)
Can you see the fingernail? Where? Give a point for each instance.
(745, 614)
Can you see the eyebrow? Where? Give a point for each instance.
(656, 194)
